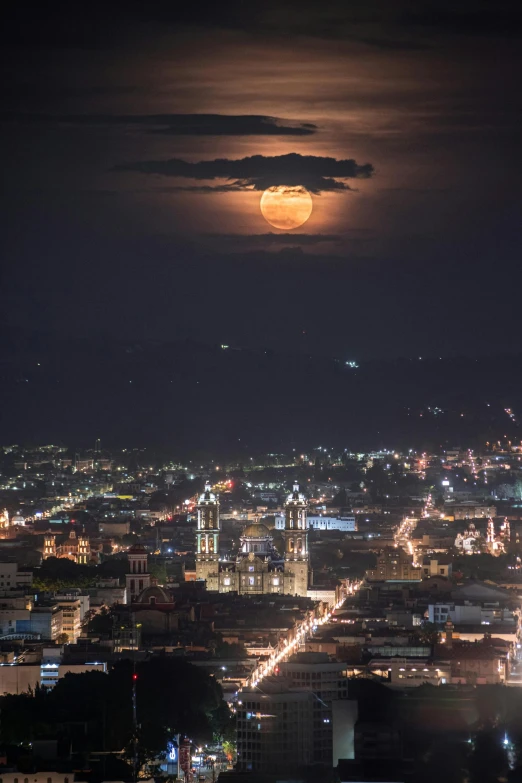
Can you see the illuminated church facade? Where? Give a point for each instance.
(258, 568)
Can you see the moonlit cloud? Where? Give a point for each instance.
(259, 172)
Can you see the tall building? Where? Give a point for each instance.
(297, 559)
(47, 621)
(71, 618)
(275, 727)
(207, 538)
(126, 632)
(258, 568)
(328, 681)
(138, 577)
(4, 519)
(49, 546)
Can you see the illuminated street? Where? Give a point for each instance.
(403, 537)
(303, 631)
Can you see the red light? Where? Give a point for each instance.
(134, 677)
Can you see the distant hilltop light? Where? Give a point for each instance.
(352, 364)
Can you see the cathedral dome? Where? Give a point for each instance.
(154, 595)
(137, 549)
(256, 530)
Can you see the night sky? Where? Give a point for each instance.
(137, 142)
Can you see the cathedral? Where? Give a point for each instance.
(258, 568)
(76, 548)
(496, 542)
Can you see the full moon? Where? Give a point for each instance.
(286, 207)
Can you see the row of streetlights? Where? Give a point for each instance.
(286, 648)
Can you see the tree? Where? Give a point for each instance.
(59, 573)
(230, 650)
(173, 696)
(230, 751)
(340, 499)
(488, 762)
(113, 567)
(479, 545)
(158, 570)
(63, 638)
(427, 633)
(446, 759)
(100, 622)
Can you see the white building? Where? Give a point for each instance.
(21, 678)
(75, 594)
(71, 618)
(13, 579)
(470, 614)
(319, 522)
(37, 777)
(411, 672)
(467, 541)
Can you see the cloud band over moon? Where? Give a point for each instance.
(259, 172)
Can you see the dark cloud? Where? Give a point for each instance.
(201, 189)
(376, 23)
(175, 124)
(468, 18)
(267, 240)
(317, 174)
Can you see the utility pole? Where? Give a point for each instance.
(134, 726)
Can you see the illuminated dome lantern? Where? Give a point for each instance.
(295, 508)
(207, 497)
(256, 538)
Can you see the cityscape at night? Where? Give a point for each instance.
(261, 392)
(326, 614)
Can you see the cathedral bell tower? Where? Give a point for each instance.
(137, 578)
(297, 559)
(207, 538)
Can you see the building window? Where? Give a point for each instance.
(251, 580)
(226, 581)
